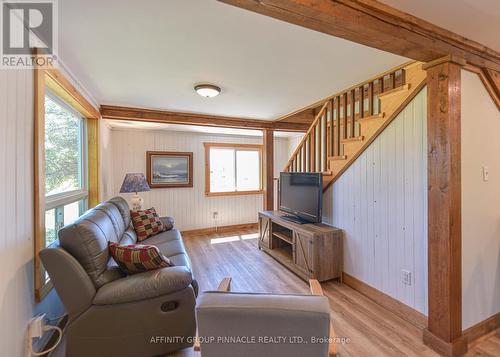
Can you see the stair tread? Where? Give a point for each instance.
(375, 116)
(355, 139)
(395, 90)
(341, 157)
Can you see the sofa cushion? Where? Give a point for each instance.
(146, 223)
(87, 240)
(166, 236)
(129, 237)
(122, 205)
(145, 285)
(180, 260)
(138, 258)
(115, 217)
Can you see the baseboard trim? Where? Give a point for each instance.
(482, 328)
(221, 229)
(407, 313)
(455, 348)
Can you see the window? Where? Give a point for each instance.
(65, 164)
(232, 169)
(66, 177)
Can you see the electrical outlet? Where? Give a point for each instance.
(35, 326)
(406, 277)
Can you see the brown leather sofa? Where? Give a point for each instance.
(111, 314)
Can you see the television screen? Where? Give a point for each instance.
(301, 195)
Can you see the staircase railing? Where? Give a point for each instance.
(338, 122)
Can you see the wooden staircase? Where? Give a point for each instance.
(350, 120)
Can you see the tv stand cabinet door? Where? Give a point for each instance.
(264, 232)
(303, 252)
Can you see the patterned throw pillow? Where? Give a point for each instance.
(146, 223)
(137, 258)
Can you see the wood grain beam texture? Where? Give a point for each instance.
(444, 332)
(268, 169)
(169, 117)
(374, 24)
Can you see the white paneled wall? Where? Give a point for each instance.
(480, 203)
(189, 206)
(380, 202)
(17, 304)
(106, 181)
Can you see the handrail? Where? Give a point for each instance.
(313, 124)
(324, 140)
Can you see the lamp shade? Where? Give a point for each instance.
(134, 183)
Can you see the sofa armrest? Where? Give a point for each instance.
(167, 222)
(144, 286)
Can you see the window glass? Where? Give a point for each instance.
(222, 175)
(234, 169)
(63, 149)
(247, 170)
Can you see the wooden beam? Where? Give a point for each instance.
(444, 332)
(268, 170)
(374, 24)
(170, 117)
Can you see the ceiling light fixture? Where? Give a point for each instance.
(207, 90)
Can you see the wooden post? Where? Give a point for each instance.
(444, 331)
(268, 169)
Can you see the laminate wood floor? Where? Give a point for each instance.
(372, 330)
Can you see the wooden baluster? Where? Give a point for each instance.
(345, 115)
(339, 133)
(393, 80)
(304, 148)
(362, 101)
(318, 137)
(324, 152)
(370, 98)
(381, 85)
(313, 149)
(332, 128)
(353, 112)
(403, 77)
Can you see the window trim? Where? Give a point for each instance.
(51, 79)
(240, 147)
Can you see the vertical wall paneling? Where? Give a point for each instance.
(381, 204)
(189, 206)
(16, 214)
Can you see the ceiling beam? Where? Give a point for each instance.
(169, 117)
(374, 24)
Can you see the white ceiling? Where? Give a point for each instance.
(477, 20)
(151, 53)
(136, 125)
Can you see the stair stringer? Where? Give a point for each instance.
(391, 103)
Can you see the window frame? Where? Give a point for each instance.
(51, 79)
(236, 147)
(68, 197)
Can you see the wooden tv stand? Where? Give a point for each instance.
(312, 251)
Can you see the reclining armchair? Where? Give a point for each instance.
(265, 325)
(110, 314)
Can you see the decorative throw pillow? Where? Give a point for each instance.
(137, 258)
(146, 223)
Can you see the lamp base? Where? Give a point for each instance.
(137, 203)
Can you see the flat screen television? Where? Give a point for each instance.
(301, 196)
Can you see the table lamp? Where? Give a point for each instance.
(135, 182)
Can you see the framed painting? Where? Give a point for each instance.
(166, 169)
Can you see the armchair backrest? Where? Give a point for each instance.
(245, 324)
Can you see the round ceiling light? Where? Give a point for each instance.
(207, 90)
